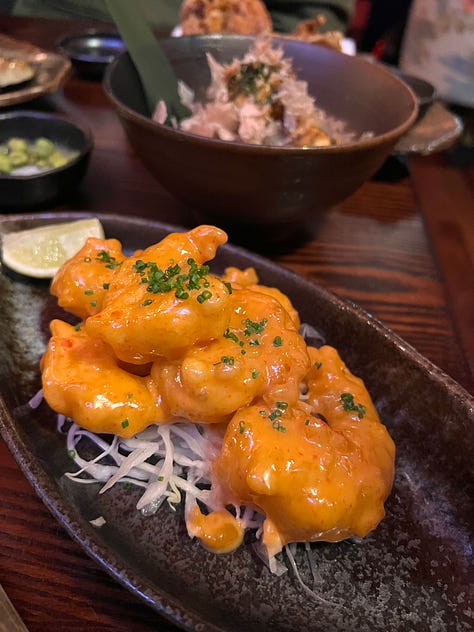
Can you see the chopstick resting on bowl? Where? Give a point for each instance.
(10, 620)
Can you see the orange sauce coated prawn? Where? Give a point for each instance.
(81, 284)
(141, 319)
(83, 380)
(260, 354)
(314, 475)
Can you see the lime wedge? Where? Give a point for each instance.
(40, 252)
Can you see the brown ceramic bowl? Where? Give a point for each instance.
(266, 189)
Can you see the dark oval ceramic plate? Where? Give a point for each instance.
(414, 572)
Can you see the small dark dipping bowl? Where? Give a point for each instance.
(424, 91)
(23, 191)
(91, 51)
(259, 187)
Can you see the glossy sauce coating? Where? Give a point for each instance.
(167, 339)
(83, 380)
(218, 531)
(82, 283)
(140, 323)
(260, 354)
(315, 470)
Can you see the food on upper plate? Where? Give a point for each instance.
(19, 156)
(210, 375)
(14, 72)
(244, 17)
(259, 100)
(310, 31)
(249, 17)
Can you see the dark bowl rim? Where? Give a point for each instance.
(32, 114)
(63, 42)
(429, 92)
(359, 145)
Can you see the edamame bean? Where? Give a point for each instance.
(42, 153)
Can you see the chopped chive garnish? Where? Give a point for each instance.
(253, 327)
(278, 426)
(230, 335)
(274, 414)
(182, 294)
(125, 423)
(229, 360)
(110, 262)
(241, 426)
(162, 281)
(88, 292)
(204, 296)
(277, 341)
(349, 405)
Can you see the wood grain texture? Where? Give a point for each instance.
(395, 247)
(446, 197)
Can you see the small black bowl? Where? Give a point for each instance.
(91, 51)
(424, 91)
(20, 191)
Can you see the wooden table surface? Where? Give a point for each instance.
(402, 247)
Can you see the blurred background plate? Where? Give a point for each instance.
(436, 130)
(90, 51)
(51, 71)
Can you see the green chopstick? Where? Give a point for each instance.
(158, 78)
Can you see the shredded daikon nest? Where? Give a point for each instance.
(171, 462)
(165, 460)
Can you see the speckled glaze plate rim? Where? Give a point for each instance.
(182, 614)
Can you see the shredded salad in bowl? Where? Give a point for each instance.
(259, 100)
